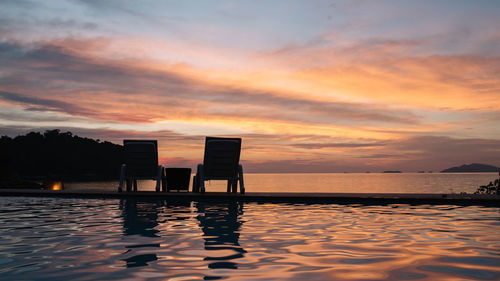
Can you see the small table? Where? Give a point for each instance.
(176, 179)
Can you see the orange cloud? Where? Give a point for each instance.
(387, 72)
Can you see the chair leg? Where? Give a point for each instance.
(201, 178)
(195, 184)
(158, 178)
(129, 184)
(242, 184)
(229, 184)
(235, 185)
(164, 180)
(135, 185)
(122, 177)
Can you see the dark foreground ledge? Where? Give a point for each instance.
(343, 198)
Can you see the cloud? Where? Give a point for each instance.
(398, 71)
(57, 71)
(437, 152)
(410, 155)
(14, 114)
(64, 76)
(336, 145)
(41, 104)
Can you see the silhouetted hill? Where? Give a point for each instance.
(56, 155)
(472, 168)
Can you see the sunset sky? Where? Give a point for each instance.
(310, 86)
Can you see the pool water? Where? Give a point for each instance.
(128, 239)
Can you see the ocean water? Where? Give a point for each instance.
(338, 183)
(128, 239)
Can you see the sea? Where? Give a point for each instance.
(334, 183)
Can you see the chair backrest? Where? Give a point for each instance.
(141, 158)
(222, 157)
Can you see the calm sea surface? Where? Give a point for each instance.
(351, 182)
(95, 239)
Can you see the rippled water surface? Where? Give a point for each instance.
(94, 239)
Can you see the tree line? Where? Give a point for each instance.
(59, 155)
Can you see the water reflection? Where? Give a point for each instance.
(221, 226)
(150, 221)
(202, 240)
(140, 218)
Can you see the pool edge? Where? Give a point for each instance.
(377, 198)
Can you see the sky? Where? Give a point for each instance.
(310, 86)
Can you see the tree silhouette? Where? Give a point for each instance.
(59, 155)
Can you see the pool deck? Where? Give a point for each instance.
(369, 198)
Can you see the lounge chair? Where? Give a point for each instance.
(220, 162)
(141, 163)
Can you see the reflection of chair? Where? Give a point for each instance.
(221, 162)
(140, 218)
(141, 163)
(221, 224)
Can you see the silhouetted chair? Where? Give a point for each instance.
(221, 162)
(141, 163)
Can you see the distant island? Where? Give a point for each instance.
(33, 158)
(472, 168)
(391, 172)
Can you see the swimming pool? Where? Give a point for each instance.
(130, 239)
